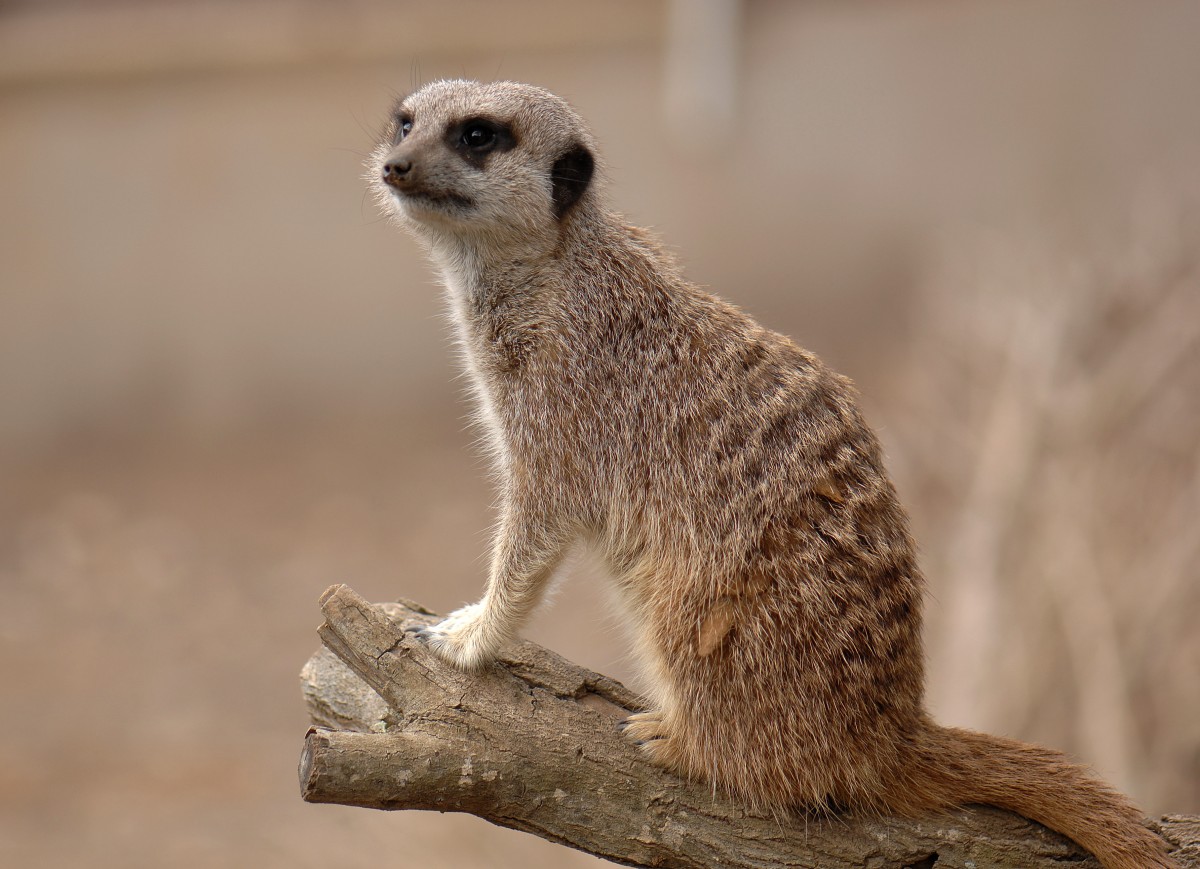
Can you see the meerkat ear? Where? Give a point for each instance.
(570, 176)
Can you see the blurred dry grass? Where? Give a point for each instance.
(223, 384)
(1062, 487)
(160, 597)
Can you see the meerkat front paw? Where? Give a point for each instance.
(462, 638)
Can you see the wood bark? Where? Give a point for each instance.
(531, 743)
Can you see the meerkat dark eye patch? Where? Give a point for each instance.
(570, 176)
(477, 138)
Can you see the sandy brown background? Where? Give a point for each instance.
(225, 383)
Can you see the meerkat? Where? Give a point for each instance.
(724, 474)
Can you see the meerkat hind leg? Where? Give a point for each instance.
(642, 727)
(650, 732)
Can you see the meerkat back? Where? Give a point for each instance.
(725, 474)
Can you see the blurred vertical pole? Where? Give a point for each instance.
(701, 80)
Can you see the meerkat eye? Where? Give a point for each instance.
(403, 128)
(478, 137)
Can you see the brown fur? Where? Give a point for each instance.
(725, 475)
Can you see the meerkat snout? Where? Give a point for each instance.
(396, 172)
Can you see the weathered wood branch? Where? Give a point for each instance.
(531, 743)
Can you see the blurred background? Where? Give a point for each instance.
(225, 383)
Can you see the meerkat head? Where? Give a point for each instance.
(497, 160)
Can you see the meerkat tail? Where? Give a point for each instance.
(962, 766)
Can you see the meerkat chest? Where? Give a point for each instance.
(474, 356)
(530, 388)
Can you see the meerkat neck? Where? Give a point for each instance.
(473, 261)
(476, 267)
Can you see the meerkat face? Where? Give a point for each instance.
(467, 158)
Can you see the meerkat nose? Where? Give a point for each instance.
(396, 171)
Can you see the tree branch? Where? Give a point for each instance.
(531, 743)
